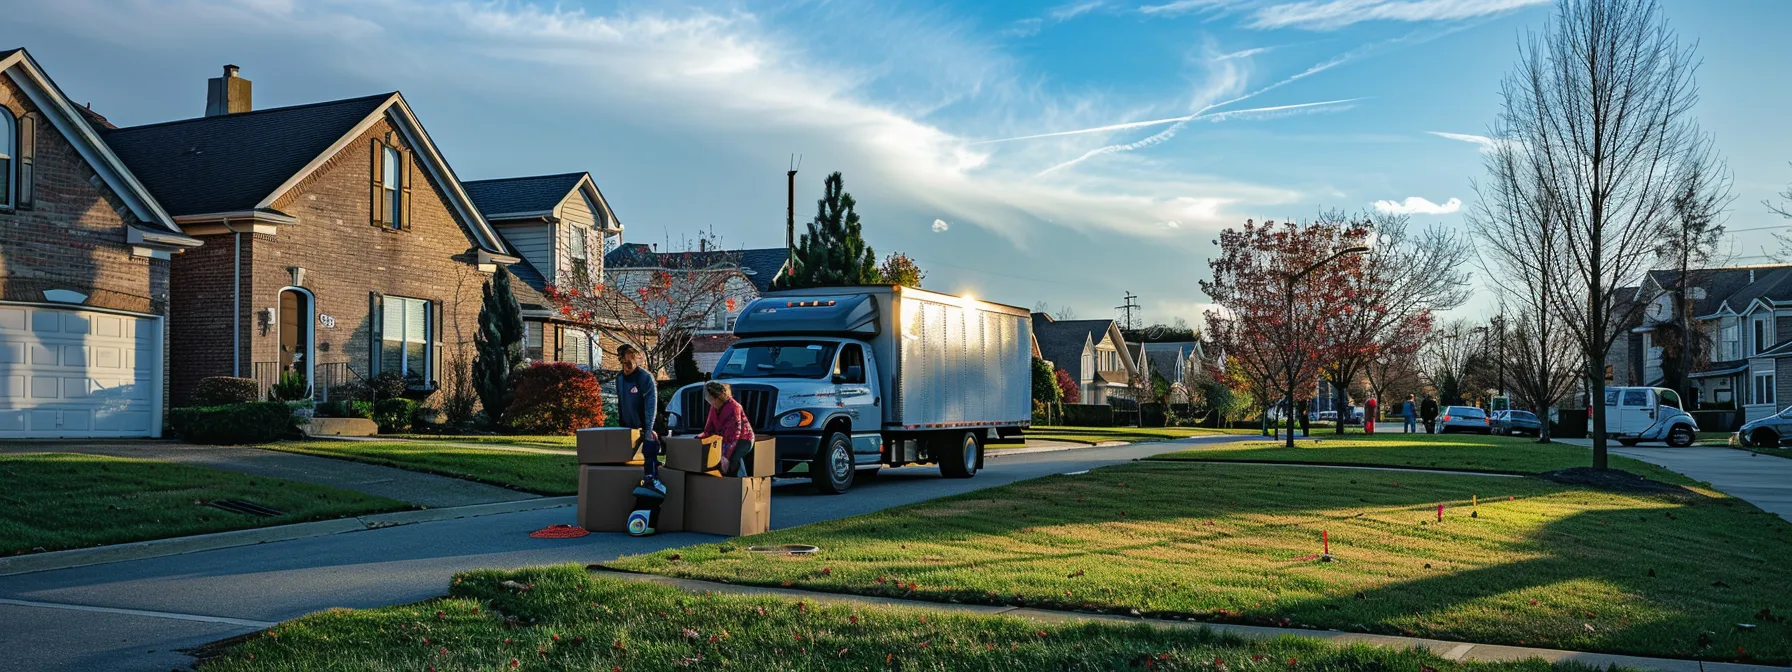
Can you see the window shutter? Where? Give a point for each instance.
(435, 344)
(27, 156)
(375, 216)
(375, 321)
(404, 180)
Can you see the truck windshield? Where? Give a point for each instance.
(777, 359)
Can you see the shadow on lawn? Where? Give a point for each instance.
(1573, 566)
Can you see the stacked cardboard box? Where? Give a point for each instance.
(715, 504)
(610, 466)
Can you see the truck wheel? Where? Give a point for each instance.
(959, 459)
(1764, 438)
(832, 470)
(1627, 442)
(1680, 436)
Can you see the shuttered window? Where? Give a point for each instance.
(532, 333)
(577, 350)
(405, 344)
(27, 156)
(391, 186)
(6, 156)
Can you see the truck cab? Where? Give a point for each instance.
(1637, 414)
(849, 380)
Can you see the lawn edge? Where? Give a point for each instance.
(1449, 650)
(1341, 465)
(422, 469)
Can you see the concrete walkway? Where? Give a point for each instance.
(1456, 651)
(414, 487)
(1762, 480)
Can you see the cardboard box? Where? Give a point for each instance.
(672, 512)
(609, 445)
(688, 454)
(607, 496)
(704, 457)
(728, 506)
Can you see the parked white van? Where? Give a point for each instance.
(1637, 414)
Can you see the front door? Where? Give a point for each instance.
(296, 335)
(852, 376)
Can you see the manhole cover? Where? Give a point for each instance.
(245, 508)
(784, 549)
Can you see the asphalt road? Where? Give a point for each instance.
(141, 614)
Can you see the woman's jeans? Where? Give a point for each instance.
(740, 463)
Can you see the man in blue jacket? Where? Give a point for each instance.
(636, 400)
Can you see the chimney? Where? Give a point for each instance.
(228, 94)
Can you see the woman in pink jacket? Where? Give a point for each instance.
(729, 421)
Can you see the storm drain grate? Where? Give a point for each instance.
(245, 508)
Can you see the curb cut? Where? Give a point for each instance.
(155, 548)
(1454, 651)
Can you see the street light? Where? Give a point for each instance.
(1288, 302)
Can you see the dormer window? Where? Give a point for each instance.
(575, 243)
(391, 186)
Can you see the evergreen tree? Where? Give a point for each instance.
(498, 345)
(833, 253)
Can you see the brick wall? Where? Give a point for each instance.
(346, 261)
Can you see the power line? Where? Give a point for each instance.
(1130, 304)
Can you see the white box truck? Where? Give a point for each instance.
(851, 379)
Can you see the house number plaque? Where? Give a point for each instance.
(327, 321)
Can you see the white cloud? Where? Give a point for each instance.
(1334, 14)
(1487, 144)
(1178, 7)
(940, 226)
(1244, 53)
(1415, 205)
(1071, 11)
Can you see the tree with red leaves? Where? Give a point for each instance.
(1073, 393)
(1270, 319)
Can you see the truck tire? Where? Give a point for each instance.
(1764, 438)
(1627, 442)
(958, 455)
(832, 470)
(1680, 436)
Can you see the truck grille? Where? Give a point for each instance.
(760, 402)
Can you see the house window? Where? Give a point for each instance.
(1763, 392)
(577, 349)
(532, 332)
(1728, 346)
(405, 346)
(390, 184)
(575, 243)
(6, 154)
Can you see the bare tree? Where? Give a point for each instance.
(1600, 106)
(657, 304)
(1448, 357)
(1688, 247)
(1065, 313)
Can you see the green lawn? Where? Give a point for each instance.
(56, 501)
(564, 619)
(524, 440)
(530, 472)
(1535, 563)
(1092, 435)
(1462, 452)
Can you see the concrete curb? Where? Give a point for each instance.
(1456, 651)
(155, 548)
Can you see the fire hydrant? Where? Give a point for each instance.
(1369, 414)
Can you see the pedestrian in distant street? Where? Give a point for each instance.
(1409, 412)
(1428, 411)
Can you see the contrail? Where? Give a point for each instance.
(1177, 124)
(1172, 120)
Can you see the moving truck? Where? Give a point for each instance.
(853, 379)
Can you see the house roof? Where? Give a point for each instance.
(530, 195)
(531, 284)
(759, 265)
(1062, 341)
(232, 162)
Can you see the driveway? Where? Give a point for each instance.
(1762, 480)
(138, 615)
(414, 487)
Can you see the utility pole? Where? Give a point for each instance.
(1130, 304)
(790, 213)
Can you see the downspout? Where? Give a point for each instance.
(236, 303)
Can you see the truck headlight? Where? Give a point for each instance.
(796, 419)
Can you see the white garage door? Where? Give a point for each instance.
(66, 372)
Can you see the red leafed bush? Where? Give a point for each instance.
(1073, 393)
(555, 398)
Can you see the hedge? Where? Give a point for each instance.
(1088, 415)
(229, 424)
(221, 390)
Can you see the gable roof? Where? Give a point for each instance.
(1062, 341)
(79, 130)
(530, 195)
(248, 160)
(759, 265)
(230, 162)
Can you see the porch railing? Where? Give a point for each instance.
(325, 375)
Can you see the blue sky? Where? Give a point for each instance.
(687, 113)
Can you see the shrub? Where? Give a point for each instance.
(554, 398)
(229, 424)
(388, 385)
(393, 415)
(1088, 415)
(1071, 393)
(353, 390)
(291, 387)
(221, 390)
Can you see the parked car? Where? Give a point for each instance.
(1768, 432)
(1516, 422)
(1325, 416)
(1463, 419)
(1637, 414)
(851, 379)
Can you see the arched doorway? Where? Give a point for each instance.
(298, 336)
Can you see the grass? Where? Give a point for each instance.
(56, 501)
(1536, 563)
(525, 440)
(565, 619)
(540, 473)
(1460, 452)
(1093, 435)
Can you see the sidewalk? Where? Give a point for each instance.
(421, 489)
(1455, 651)
(1764, 481)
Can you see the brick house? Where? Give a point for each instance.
(338, 242)
(559, 226)
(84, 272)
